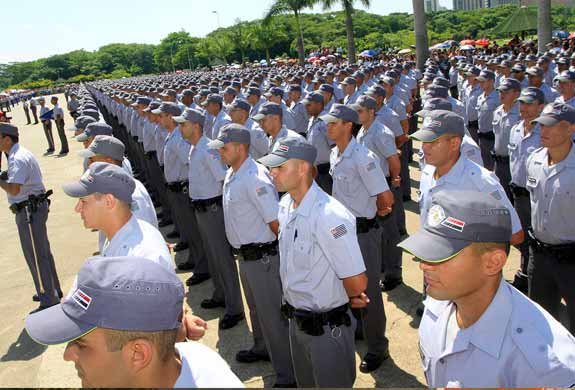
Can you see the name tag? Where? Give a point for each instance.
(531, 181)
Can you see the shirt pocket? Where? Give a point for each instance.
(346, 183)
(302, 255)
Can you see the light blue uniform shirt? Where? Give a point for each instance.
(300, 117)
(390, 119)
(397, 106)
(381, 141)
(318, 248)
(471, 96)
(206, 172)
(161, 135)
(149, 136)
(250, 203)
(176, 154)
(23, 169)
(520, 148)
(503, 122)
(514, 344)
(221, 120)
(357, 179)
(317, 136)
(283, 133)
(486, 106)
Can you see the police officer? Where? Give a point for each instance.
(360, 185)
(59, 121)
(26, 107)
(214, 105)
(29, 202)
(276, 95)
(504, 118)
(206, 176)
(471, 93)
(250, 212)
(239, 113)
(566, 87)
(73, 106)
(270, 119)
(34, 109)
(550, 182)
(46, 118)
(478, 331)
(487, 102)
(298, 109)
(322, 270)
(523, 140)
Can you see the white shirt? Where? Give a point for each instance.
(140, 239)
(204, 368)
(142, 205)
(514, 344)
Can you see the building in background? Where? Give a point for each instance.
(469, 5)
(431, 5)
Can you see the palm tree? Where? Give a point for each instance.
(296, 7)
(544, 24)
(421, 43)
(265, 36)
(347, 6)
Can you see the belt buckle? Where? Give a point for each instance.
(336, 332)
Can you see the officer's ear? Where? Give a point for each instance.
(493, 257)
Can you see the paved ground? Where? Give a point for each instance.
(24, 363)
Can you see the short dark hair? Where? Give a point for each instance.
(15, 139)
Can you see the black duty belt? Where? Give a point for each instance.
(204, 204)
(151, 155)
(253, 252)
(499, 159)
(519, 192)
(178, 186)
(490, 136)
(313, 323)
(564, 253)
(323, 169)
(33, 202)
(473, 124)
(364, 225)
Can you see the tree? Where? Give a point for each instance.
(544, 24)
(296, 7)
(239, 36)
(420, 27)
(347, 6)
(265, 36)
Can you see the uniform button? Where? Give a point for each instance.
(519, 330)
(442, 361)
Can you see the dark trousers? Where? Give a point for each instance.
(503, 172)
(486, 145)
(62, 134)
(34, 113)
(27, 112)
(454, 91)
(48, 133)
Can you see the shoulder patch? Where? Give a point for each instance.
(371, 166)
(261, 191)
(496, 195)
(338, 231)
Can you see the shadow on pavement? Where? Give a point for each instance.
(23, 349)
(407, 300)
(390, 375)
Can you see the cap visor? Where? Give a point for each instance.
(432, 248)
(546, 121)
(216, 144)
(328, 118)
(504, 89)
(258, 117)
(422, 113)
(424, 135)
(272, 160)
(76, 190)
(52, 326)
(528, 100)
(134, 105)
(86, 153)
(157, 111)
(82, 137)
(179, 119)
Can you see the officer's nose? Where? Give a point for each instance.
(78, 207)
(70, 354)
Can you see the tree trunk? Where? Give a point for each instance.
(421, 43)
(300, 43)
(544, 24)
(268, 55)
(351, 57)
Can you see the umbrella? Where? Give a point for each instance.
(404, 51)
(560, 34)
(452, 43)
(482, 42)
(466, 42)
(467, 47)
(368, 53)
(440, 46)
(264, 62)
(312, 59)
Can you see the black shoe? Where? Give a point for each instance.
(372, 362)
(164, 223)
(211, 304)
(63, 152)
(197, 279)
(391, 284)
(187, 266)
(48, 152)
(181, 246)
(36, 298)
(173, 234)
(285, 386)
(228, 321)
(248, 356)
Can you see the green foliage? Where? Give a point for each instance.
(253, 41)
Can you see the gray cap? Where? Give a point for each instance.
(92, 113)
(103, 178)
(191, 115)
(94, 129)
(254, 91)
(456, 220)
(433, 104)
(473, 71)
(313, 97)
(188, 92)
(168, 108)
(509, 84)
(240, 104)
(104, 145)
(83, 121)
(8, 129)
(556, 112)
(349, 81)
(119, 293)
(213, 98)
(142, 101)
(566, 75)
(366, 102)
(536, 71)
(531, 95)
(441, 81)
(169, 92)
(376, 90)
(231, 133)
(268, 108)
(388, 80)
(486, 75)
(231, 91)
(437, 91)
(518, 68)
(438, 123)
(275, 91)
(289, 149)
(340, 111)
(153, 106)
(326, 88)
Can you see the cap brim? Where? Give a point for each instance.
(328, 118)
(563, 79)
(258, 117)
(479, 78)
(82, 137)
(86, 153)
(424, 135)
(76, 190)
(179, 119)
(157, 111)
(546, 121)
(134, 105)
(432, 248)
(216, 144)
(528, 100)
(272, 160)
(53, 326)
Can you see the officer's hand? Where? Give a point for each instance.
(384, 211)
(359, 302)
(192, 328)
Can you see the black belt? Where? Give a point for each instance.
(490, 136)
(203, 204)
(32, 202)
(178, 186)
(499, 159)
(135, 138)
(473, 124)
(253, 252)
(312, 323)
(562, 252)
(151, 155)
(323, 169)
(518, 192)
(364, 225)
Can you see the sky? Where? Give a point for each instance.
(34, 29)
